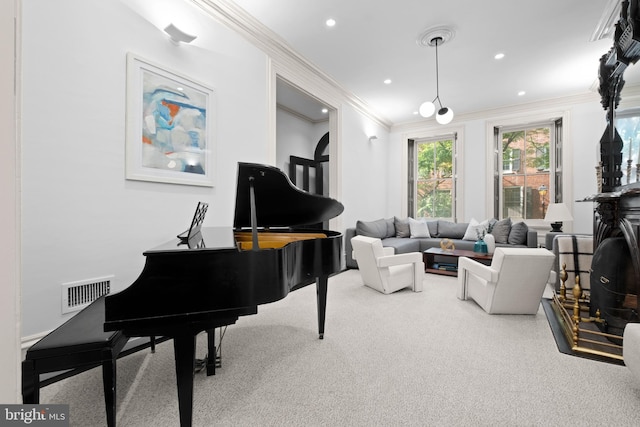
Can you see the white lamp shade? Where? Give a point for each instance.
(427, 109)
(558, 212)
(444, 116)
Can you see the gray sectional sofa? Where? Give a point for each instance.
(406, 235)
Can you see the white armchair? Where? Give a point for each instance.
(512, 284)
(382, 270)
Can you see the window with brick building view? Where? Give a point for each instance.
(526, 185)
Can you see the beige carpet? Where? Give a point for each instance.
(406, 359)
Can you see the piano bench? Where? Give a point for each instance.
(76, 346)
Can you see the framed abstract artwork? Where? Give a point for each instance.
(170, 121)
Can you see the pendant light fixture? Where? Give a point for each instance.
(435, 37)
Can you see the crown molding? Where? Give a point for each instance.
(236, 18)
(604, 29)
(509, 110)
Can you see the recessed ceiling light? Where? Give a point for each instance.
(521, 93)
(330, 22)
(325, 110)
(387, 81)
(499, 55)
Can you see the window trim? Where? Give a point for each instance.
(566, 166)
(552, 125)
(459, 154)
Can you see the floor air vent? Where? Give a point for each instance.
(78, 295)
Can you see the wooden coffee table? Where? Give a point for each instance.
(440, 261)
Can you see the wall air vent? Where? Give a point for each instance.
(78, 295)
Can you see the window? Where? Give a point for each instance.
(528, 177)
(628, 127)
(432, 180)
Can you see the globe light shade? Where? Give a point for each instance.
(444, 116)
(427, 109)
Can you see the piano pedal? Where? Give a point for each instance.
(200, 364)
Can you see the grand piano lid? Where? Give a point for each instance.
(278, 202)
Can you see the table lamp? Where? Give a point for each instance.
(556, 213)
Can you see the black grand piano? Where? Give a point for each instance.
(274, 247)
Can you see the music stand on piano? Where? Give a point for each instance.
(193, 232)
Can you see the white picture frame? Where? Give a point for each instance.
(169, 126)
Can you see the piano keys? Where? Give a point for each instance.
(275, 247)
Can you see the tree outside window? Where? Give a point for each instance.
(435, 179)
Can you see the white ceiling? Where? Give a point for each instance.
(547, 47)
(300, 104)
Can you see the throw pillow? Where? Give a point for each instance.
(476, 230)
(391, 228)
(501, 230)
(433, 227)
(418, 228)
(472, 228)
(402, 227)
(451, 230)
(518, 234)
(376, 229)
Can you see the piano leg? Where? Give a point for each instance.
(321, 296)
(211, 351)
(30, 383)
(184, 347)
(109, 386)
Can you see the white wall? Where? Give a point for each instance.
(365, 166)
(9, 209)
(588, 124)
(81, 218)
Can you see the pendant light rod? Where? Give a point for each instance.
(444, 115)
(436, 40)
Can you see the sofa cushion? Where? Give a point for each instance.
(451, 230)
(402, 227)
(380, 229)
(402, 245)
(518, 234)
(419, 228)
(501, 230)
